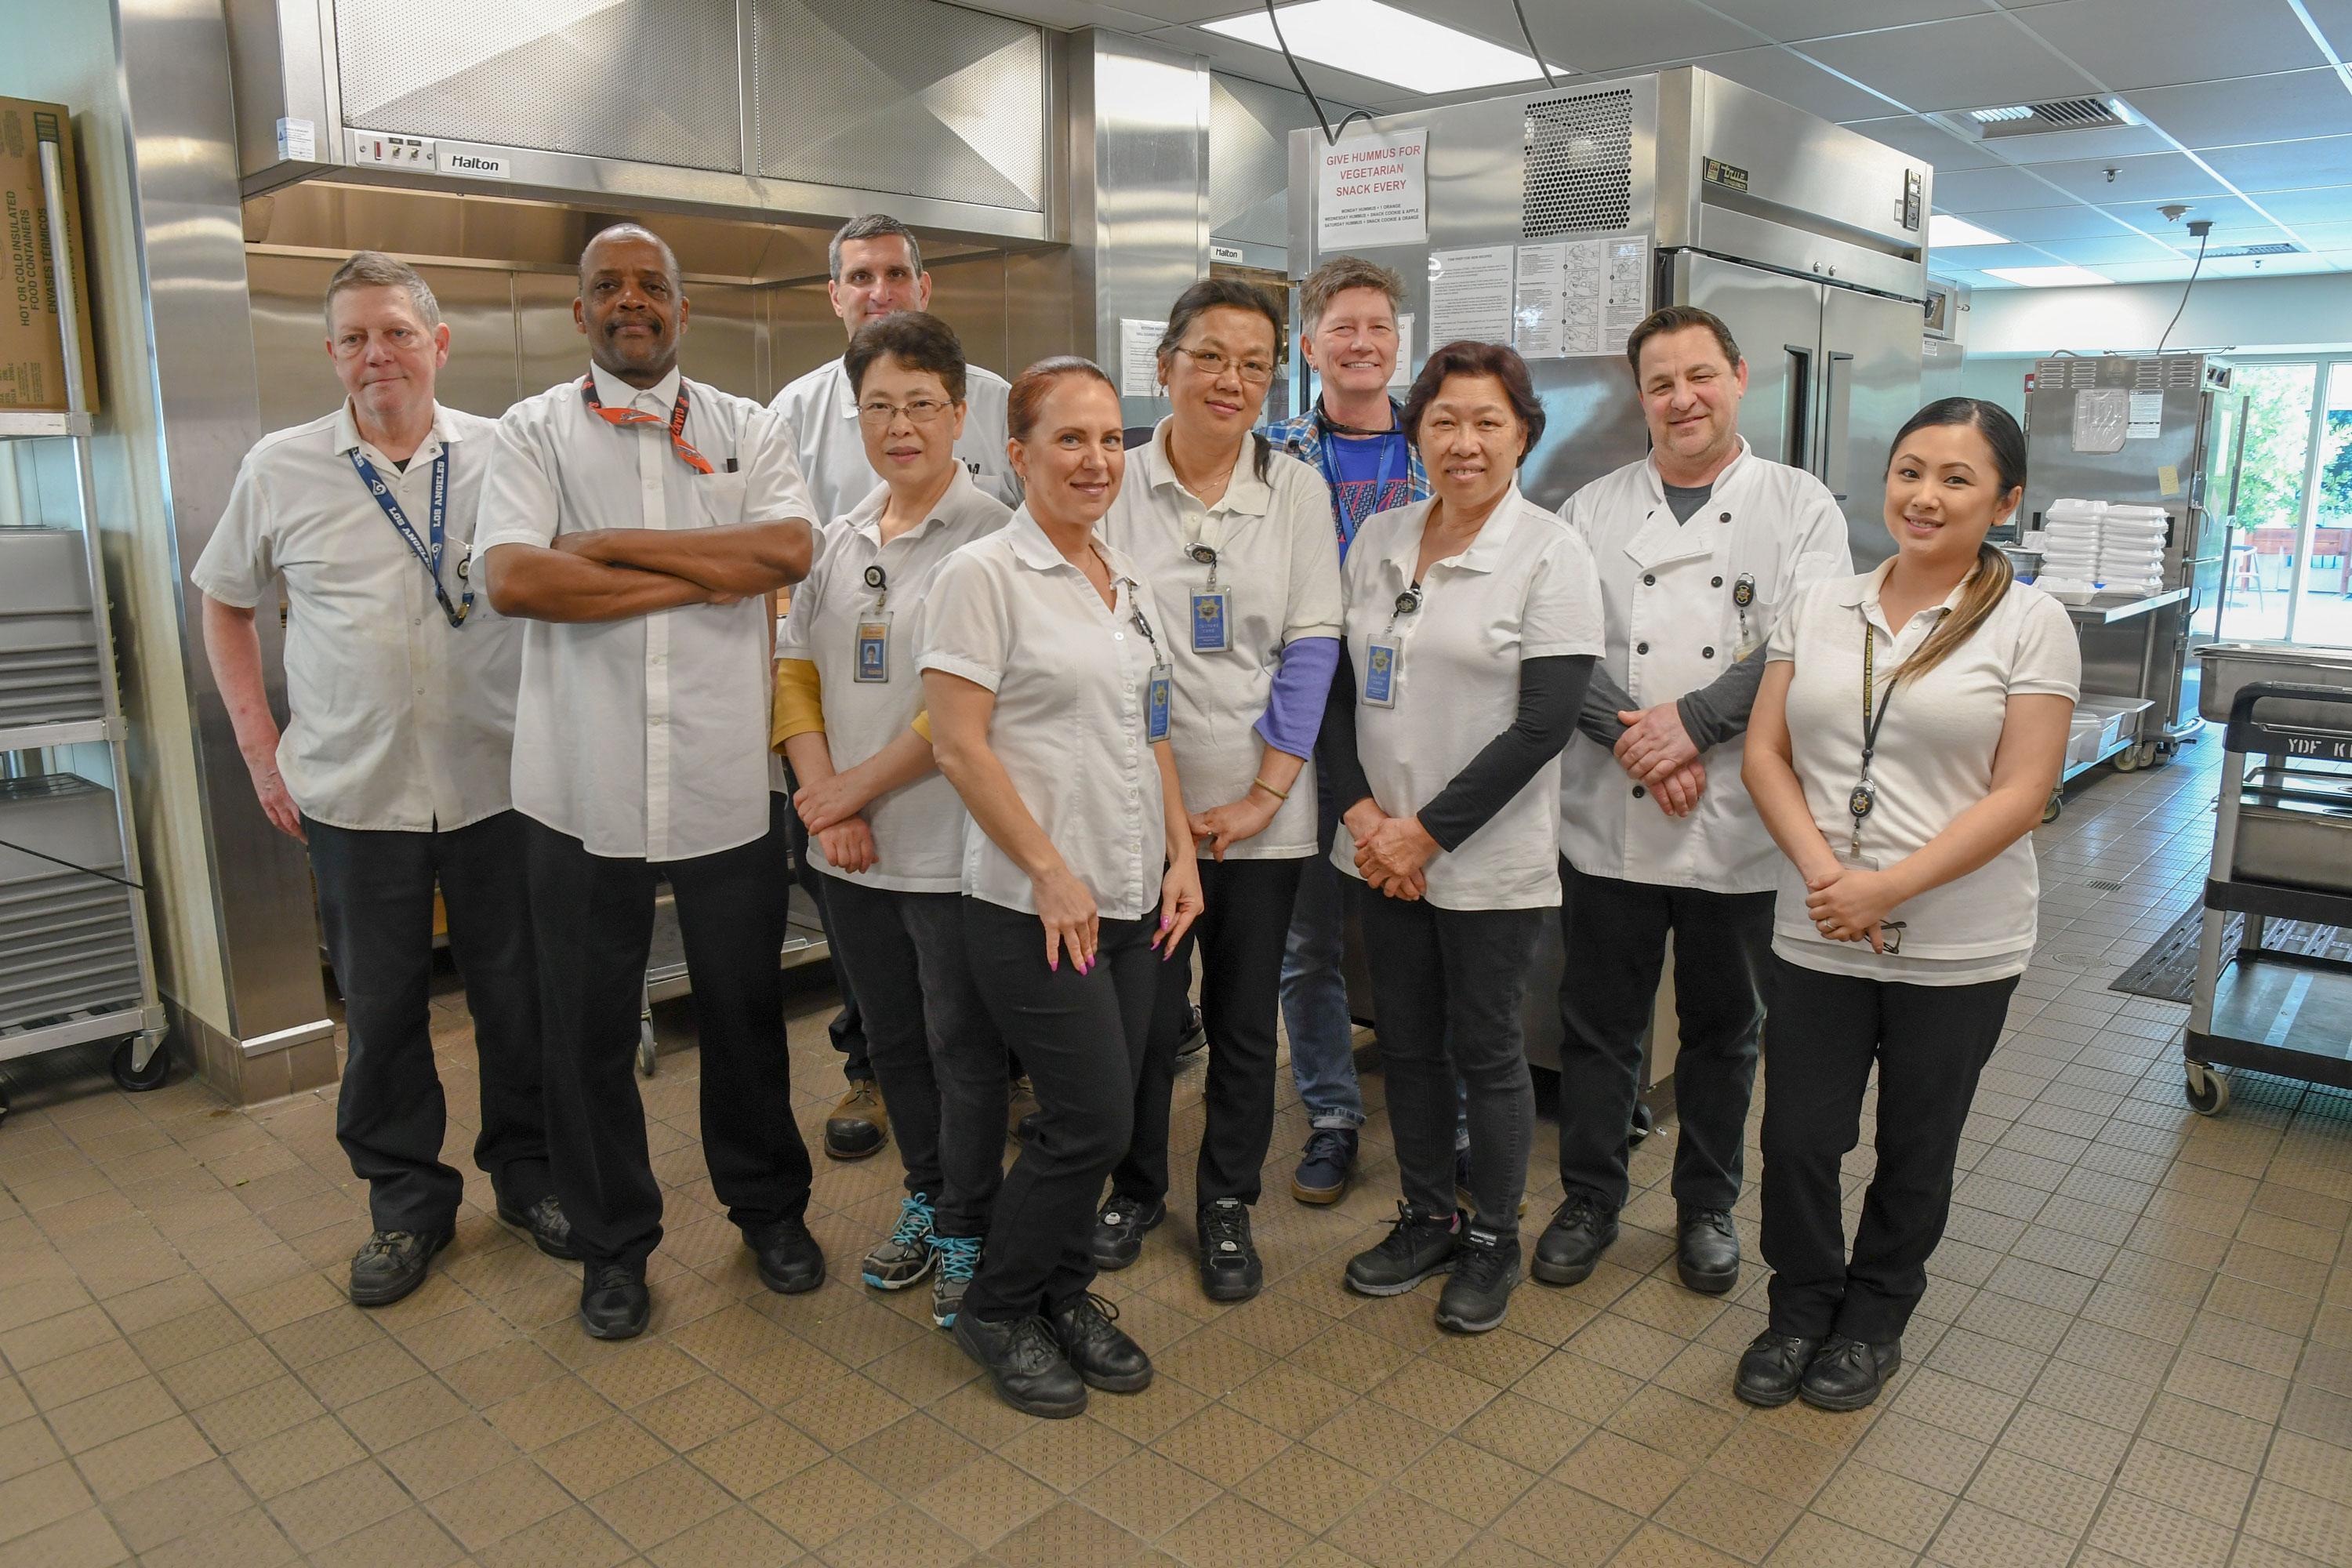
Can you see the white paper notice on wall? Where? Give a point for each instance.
(1403, 376)
(2146, 421)
(1577, 297)
(298, 141)
(1373, 190)
(1138, 357)
(1470, 295)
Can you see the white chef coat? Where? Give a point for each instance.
(400, 721)
(1070, 676)
(919, 828)
(645, 737)
(1933, 761)
(1278, 566)
(1674, 626)
(1524, 589)
(822, 412)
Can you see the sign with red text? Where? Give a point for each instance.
(1372, 189)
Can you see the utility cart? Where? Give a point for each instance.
(2282, 851)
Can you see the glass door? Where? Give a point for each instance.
(2268, 560)
(2322, 612)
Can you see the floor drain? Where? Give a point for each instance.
(2105, 887)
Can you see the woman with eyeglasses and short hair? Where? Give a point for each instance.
(1911, 725)
(884, 828)
(1236, 541)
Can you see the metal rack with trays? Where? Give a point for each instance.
(76, 961)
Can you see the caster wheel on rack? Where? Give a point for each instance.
(2208, 1091)
(2130, 760)
(2050, 811)
(134, 1079)
(646, 1059)
(2152, 754)
(1644, 1123)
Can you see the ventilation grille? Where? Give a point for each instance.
(2275, 247)
(1579, 175)
(2069, 373)
(2044, 119)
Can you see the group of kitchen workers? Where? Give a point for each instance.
(1058, 722)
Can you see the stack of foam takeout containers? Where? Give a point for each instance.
(2092, 547)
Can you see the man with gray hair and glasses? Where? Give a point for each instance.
(874, 266)
(394, 765)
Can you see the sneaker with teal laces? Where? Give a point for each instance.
(959, 1261)
(905, 1256)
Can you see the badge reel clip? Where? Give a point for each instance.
(1211, 605)
(873, 666)
(1384, 655)
(1743, 595)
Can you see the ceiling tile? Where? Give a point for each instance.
(2285, 165)
(2162, 176)
(2063, 146)
(2109, 251)
(2297, 207)
(1965, 63)
(1137, 19)
(1172, 11)
(2264, 266)
(1781, 75)
(1598, 38)
(2174, 272)
(2038, 226)
(1789, 20)
(1339, 90)
(2334, 19)
(1972, 191)
(1976, 257)
(2252, 109)
(1924, 139)
(2132, 44)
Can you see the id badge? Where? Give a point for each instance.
(874, 647)
(1381, 660)
(1209, 621)
(1155, 703)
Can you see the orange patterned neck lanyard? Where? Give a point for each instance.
(617, 417)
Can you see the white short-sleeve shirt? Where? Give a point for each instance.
(1524, 589)
(919, 828)
(1278, 566)
(1071, 679)
(1933, 761)
(399, 722)
(645, 737)
(821, 409)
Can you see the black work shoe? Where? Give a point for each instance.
(1022, 1360)
(1485, 1272)
(392, 1263)
(1770, 1370)
(1323, 1171)
(1195, 1036)
(1087, 1328)
(860, 1123)
(1418, 1245)
(1846, 1374)
(789, 1260)
(1118, 1230)
(1021, 1112)
(1230, 1269)
(1706, 1250)
(549, 1230)
(1571, 1245)
(614, 1301)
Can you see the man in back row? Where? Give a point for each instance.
(874, 267)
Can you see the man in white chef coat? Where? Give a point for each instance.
(874, 266)
(1699, 545)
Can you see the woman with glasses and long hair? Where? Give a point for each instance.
(1235, 539)
(1048, 679)
(1911, 725)
(885, 829)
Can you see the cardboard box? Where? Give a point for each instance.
(32, 352)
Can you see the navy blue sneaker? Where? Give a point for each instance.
(1324, 1170)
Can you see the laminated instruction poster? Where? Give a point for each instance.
(1577, 297)
(1470, 295)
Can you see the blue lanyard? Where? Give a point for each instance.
(436, 524)
(1391, 443)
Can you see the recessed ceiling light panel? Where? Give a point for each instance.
(1367, 39)
(2047, 276)
(1945, 232)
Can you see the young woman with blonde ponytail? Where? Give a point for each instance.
(1911, 725)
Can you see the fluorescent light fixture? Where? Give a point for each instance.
(2012, 111)
(2047, 277)
(1945, 231)
(1367, 39)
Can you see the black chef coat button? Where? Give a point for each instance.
(1637, 792)
(1707, 653)
(1725, 517)
(1714, 583)
(1649, 580)
(1640, 647)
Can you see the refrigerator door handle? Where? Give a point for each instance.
(1798, 412)
(1837, 404)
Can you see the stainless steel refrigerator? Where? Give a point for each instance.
(1808, 239)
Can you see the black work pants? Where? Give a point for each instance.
(1448, 985)
(375, 910)
(1082, 1037)
(594, 928)
(934, 1048)
(847, 1030)
(1243, 928)
(1929, 1043)
(1614, 934)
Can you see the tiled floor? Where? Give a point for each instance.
(2138, 1349)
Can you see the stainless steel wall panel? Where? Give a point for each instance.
(1249, 159)
(969, 296)
(904, 97)
(1039, 297)
(650, 81)
(722, 343)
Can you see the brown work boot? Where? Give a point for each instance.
(860, 1123)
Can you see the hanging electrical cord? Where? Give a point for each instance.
(1528, 33)
(1330, 135)
(70, 865)
(2203, 230)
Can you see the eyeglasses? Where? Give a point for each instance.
(920, 411)
(1211, 364)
